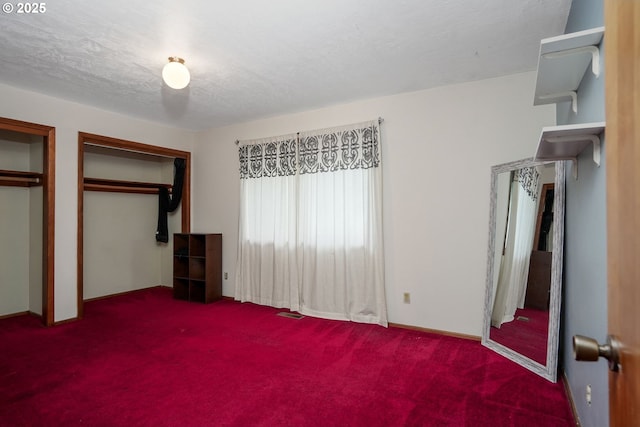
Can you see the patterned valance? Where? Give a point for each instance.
(269, 157)
(528, 179)
(349, 147)
(327, 150)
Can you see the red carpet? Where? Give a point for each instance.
(144, 359)
(527, 336)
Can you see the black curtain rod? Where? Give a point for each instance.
(380, 120)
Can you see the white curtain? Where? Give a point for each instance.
(321, 250)
(514, 270)
(267, 271)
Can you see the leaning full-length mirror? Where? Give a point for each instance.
(524, 264)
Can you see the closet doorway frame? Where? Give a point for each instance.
(84, 139)
(48, 134)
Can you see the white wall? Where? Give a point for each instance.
(547, 175)
(438, 146)
(14, 250)
(68, 118)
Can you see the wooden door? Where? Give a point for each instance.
(622, 92)
(539, 281)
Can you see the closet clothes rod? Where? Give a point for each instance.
(20, 179)
(130, 150)
(118, 186)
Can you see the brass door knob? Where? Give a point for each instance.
(587, 349)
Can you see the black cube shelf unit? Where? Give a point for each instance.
(197, 267)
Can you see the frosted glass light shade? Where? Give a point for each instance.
(175, 74)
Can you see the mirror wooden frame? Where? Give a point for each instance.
(550, 370)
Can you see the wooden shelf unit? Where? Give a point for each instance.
(197, 267)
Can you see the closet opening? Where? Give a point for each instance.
(119, 183)
(27, 196)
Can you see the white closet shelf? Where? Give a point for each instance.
(566, 142)
(562, 63)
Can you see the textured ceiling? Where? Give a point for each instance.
(256, 58)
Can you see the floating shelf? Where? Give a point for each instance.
(566, 142)
(562, 63)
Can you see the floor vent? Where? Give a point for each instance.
(290, 315)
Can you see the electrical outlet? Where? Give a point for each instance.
(588, 395)
(407, 298)
(226, 275)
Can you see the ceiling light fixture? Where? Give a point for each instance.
(175, 74)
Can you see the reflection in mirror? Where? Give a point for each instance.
(520, 314)
(524, 268)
